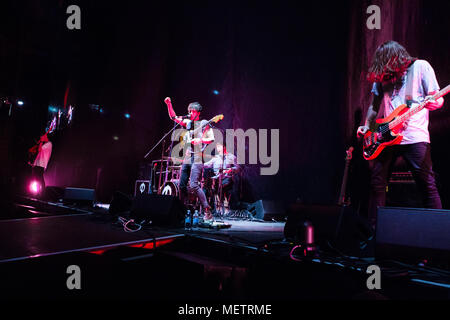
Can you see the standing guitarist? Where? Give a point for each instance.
(192, 168)
(400, 79)
(44, 151)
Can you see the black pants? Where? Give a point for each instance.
(230, 187)
(418, 159)
(190, 181)
(38, 174)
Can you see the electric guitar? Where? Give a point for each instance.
(34, 150)
(189, 135)
(386, 131)
(342, 199)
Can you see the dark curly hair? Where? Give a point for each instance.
(389, 62)
(195, 106)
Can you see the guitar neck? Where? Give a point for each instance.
(201, 127)
(412, 111)
(344, 184)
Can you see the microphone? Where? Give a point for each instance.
(188, 116)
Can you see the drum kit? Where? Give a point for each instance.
(166, 176)
(165, 179)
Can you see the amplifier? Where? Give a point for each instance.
(79, 195)
(142, 187)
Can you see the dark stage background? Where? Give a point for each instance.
(294, 66)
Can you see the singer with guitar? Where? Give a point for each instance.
(192, 168)
(400, 82)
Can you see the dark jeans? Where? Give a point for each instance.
(192, 174)
(418, 158)
(230, 188)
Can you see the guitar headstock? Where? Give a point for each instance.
(217, 118)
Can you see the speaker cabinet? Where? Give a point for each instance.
(161, 210)
(53, 193)
(266, 210)
(79, 195)
(142, 187)
(402, 191)
(413, 234)
(120, 203)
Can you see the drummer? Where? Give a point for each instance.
(225, 164)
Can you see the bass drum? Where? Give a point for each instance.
(170, 188)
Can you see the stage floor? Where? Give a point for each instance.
(47, 228)
(43, 236)
(248, 234)
(48, 235)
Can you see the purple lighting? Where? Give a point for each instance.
(34, 187)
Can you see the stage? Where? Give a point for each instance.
(248, 260)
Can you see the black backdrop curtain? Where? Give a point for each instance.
(422, 27)
(294, 66)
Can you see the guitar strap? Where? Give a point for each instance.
(192, 127)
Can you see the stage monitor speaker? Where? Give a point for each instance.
(266, 210)
(336, 226)
(53, 193)
(413, 234)
(79, 195)
(120, 203)
(142, 187)
(161, 210)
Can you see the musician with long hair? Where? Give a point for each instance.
(400, 79)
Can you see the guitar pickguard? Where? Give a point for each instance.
(381, 136)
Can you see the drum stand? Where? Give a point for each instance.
(157, 144)
(220, 203)
(164, 137)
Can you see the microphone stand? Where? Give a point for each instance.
(157, 144)
(154, 147)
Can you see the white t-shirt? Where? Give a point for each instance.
(217, 162)
(200, 133)
(423, 83)
(43, 157)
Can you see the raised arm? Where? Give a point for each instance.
(172, 113)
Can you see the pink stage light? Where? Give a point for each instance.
(34, 187)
